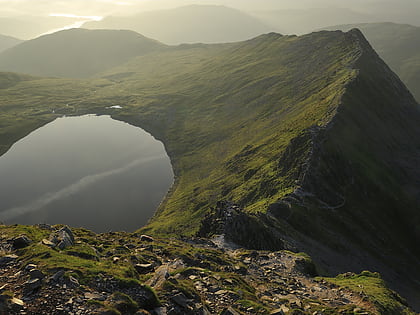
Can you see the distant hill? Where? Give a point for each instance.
(189, 24)
(29, 27)
(8, 42)
(398, 45)
(302, 21)
(76, 53)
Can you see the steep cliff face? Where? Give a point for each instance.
(358, 194)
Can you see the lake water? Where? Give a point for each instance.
(89, 171)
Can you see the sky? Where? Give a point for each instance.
(108, 7)
(17, 16)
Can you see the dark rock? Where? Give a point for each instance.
(181, 300)
(146, 238)
(5, 260)
(57, 276)
(21, 241)
(144, 268)
(32, 285)
(36, 274)
(305, 266)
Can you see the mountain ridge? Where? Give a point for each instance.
(76, 53)
(398, 45)
(238, 128)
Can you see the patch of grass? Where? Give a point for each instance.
(371, 284)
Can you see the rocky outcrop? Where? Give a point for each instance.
(237, 226)
(190, 276)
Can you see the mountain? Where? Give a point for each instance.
(302, 21)
(188, 24)
(8, 42)
(29, 27)
(76, 53)
(398, 45)
(306, 143)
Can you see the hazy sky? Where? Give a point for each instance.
(107, 7)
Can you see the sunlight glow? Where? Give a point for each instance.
(92, 18)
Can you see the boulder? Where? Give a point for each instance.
(62, 239)
(21, 241)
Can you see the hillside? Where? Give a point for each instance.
(76, 53)
(189, 24)
(398, 45)
(313, 138)
(8, 42)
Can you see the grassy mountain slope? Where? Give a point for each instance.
(398, 45)
(76, 53)
(189, 24)
(8, 42)
(312, 134)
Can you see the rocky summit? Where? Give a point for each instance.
(129, 273)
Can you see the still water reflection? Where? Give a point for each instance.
(88, 171)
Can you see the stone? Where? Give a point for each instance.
(36, 274)
(94, 296)
(72, 282)
(21, 241)
(5, 260)
(160, 276)
(32, 285)
(278, 311)
(180, 299)
(144, 268)
(63, 238)
(57, 276)
(30, 267)
(146, 238)
(48, 243)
